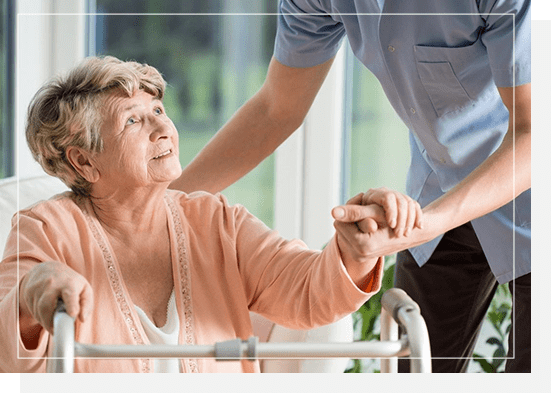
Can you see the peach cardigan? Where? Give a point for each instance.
(226, 263)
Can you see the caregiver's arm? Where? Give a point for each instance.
(500, 178)
(497, 181)
(256, 129)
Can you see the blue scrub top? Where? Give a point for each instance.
(439, 62)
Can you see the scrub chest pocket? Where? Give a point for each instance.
(453, 78)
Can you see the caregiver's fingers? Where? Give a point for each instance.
(414, 219)
(402, 212)
(356, 200)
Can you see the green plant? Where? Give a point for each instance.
(498, 314)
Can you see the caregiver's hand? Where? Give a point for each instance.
(376, 223)
(401, 213)
(42, 286)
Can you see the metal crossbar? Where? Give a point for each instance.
(397, 309)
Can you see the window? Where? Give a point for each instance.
(378, 140)
(6, 88)
(212, 63)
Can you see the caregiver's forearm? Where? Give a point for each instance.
(248, 138)
(493, 184)
(499, 179)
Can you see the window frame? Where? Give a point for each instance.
(50, 38)
(310, 173)
(8, 119)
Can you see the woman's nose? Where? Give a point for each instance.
(161, 128)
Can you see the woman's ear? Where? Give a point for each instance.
(81, 161)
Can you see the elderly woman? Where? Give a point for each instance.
(136, 263)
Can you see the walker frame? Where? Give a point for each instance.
(398, 309)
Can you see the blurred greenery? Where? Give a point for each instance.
(367, 328)
(379, 156)
(499, 318)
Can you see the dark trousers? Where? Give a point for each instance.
(454, 290)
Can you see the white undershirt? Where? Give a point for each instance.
(167, 334)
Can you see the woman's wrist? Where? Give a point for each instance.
(360, 269)
(363, 274)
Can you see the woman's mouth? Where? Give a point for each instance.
(163, 154)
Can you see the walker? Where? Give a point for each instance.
(398, 309)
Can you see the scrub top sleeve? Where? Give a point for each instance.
(306, 34)
(507, 39)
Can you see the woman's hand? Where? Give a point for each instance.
(42, 286)
(378, 223)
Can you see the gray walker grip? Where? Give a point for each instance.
(234, 349)
(396, 299)
(407, 314)
(63, 341)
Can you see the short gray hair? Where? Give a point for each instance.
(66, 111)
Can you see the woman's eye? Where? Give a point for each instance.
(130, 121)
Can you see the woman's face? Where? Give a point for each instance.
(140, 142)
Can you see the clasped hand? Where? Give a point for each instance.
(376, 223)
